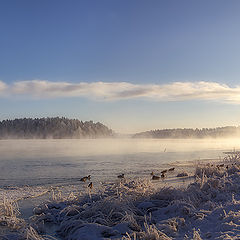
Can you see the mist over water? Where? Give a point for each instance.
(33, 162)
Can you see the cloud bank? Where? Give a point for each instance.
(176, 91)
(3, 87)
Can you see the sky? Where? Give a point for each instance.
(133, 65)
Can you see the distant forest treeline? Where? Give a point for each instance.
(58, 128)
(52, 128)
(191, 133)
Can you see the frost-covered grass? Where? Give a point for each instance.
(208, 208)
(12, 226)
(8, 214)
(9, 220)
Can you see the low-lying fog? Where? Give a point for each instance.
(64, 161)
(10, 149)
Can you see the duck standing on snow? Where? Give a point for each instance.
(154, 177)
(90, 185)
(83, 179)
(121, 175)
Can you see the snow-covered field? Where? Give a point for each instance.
(207, 208)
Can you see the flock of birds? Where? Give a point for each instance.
(122, 176)
(163, 174)
(84, 179)
(154, 177)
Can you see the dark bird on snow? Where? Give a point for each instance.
(121, 175)
(154, 177)
(90, 185)
(164, 171)
(83, 179)
(171, 169)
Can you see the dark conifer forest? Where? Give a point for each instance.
(57, 128)
(61, 127)
(229, 131)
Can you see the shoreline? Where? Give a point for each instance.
(135, 209)
(128, 208)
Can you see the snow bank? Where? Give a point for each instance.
(209, 208)
(18, 193)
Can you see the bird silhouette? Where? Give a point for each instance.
(154, 177)
(121, 175)
(90, 185)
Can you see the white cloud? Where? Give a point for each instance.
(177, 91)
(3, 88)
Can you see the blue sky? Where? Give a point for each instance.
(169, 63)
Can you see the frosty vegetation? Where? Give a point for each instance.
(209, 208)
(52, 128)
(129, 209)
(230, 131)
